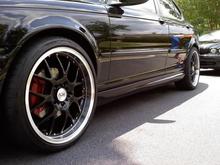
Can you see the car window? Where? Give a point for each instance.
(169, 9)
(148, 6)
(95, 1)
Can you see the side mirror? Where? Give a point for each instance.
(127, 2)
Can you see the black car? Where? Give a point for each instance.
(210, 50)
(58, 56)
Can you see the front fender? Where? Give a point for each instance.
(194, 42)
(18, 25)
(16, 36)
(63, 23)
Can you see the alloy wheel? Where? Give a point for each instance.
(60, 94)
(195, 68)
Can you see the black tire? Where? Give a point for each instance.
(191, 70)
(68, 90)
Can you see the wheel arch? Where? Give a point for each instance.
(78, 36)
(193, 43)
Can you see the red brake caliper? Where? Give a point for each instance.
(38, 86)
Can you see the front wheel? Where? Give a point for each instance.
(51, 94)
(191, 70)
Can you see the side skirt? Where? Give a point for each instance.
(114, 93)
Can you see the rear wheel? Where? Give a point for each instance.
(192, 72)
(51, 94)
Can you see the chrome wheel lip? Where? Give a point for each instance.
(78, 131)
(195, 80)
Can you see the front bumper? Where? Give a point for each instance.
(210, 61)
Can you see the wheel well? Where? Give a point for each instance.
(196, 46)
(74, 36)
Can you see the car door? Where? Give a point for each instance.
(180, 34)
(139, 43)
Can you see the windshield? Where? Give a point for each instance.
(211, 37)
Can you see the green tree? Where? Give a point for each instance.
(203, 14)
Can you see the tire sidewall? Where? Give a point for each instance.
(188, 68)
(29, 60)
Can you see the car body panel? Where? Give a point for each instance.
(207, 43)
(208, 59)
(139, 41)
(128, 57)
(26, 21)
(1, 85)
(181, 35)
(181, 40)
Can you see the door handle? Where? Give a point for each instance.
(115, 11)
(161, 21)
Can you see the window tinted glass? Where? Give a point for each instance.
(94, 1)
(148, 6)
(169, 9)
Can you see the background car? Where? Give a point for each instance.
(57, 57)
(210, 50)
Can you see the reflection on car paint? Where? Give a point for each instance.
(180, 41)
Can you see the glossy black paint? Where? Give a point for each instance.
(208, 58)
(22, 20)
(139, 41)
(1, 84)
(130, 49)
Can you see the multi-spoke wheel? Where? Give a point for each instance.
(56, 93)
(192, 71)
(195, 68)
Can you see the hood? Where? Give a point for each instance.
(210, 45)
(211, 37)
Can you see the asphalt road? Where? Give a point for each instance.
(158, 127)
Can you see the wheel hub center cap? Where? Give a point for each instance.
(61, 94)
